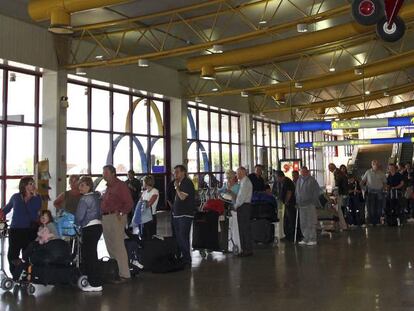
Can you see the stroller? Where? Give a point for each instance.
(55, 263)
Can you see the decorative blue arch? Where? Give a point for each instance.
(142, 154)
(192, 125)
(205, 156)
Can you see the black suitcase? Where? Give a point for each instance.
(263, 231)
(54, 274)
(205, 231)
(263, 210)
(159, 250)
(392, 212)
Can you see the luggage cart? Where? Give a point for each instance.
(6, 282)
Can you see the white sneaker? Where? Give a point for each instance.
(137, 264)
(302, 242)
(312, 243)
(92, 289)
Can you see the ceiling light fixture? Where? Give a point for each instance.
(198, 99)
(244, 94)
(217, 48)
(214, 89)
(332, 69)
(263, 22)
(99, 57)
(298, 85)
(80, 71)
(386, 94)
(142, 62)
(358, 71)
(302, 27)
(367, 92)
(208, 73)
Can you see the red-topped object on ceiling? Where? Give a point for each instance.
(383, 13)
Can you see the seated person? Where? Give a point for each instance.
(47, 230)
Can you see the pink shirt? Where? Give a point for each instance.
(117, 198)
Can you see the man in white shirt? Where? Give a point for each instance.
(243, 208)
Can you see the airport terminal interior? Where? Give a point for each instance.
(206, 155)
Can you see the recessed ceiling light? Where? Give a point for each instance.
(80, 71)
(367, 92)
(214, 89)
(99, 57)
(263, 22)
(143, 62)
(244, 94)
(332, 69)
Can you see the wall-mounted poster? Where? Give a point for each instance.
(287, 166)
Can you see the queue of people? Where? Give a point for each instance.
(107, 213)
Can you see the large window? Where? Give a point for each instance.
(213, 143)
(20, 128)
(115, 126)
(268, 144)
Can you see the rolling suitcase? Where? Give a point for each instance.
(263, 231)
(264, 210)
(205, 231)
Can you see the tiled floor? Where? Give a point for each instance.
(370, 269)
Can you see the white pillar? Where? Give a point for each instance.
(54, 129)
(246, 141)
(178, 121)
(320, 160)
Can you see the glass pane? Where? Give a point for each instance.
(192, 157)
(100, 152)
(225, 135)
(121, 156)
(280, 154)
(274, 158)
(274, 135)
(140, 118)
(235, 149)
(77, 113)
(204, 159)
(121, 108)
(100, 110)
(214, 132)
(77, 158)
(20, 150)
(203, 124)
(157, 157)
(12, 187)
(191, 124)
(21, 97)
(40, 100)
(156, 118)
(266, 128)
(225, 156)
(215, 158)
(1, 93)
(235, 129)
(139, 147)
(279, 137)
(101, 186)
(259, 132)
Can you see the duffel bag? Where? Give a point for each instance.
(214, 205)
(109, 269)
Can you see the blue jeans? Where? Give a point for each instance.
(375, 202)
(182, 228)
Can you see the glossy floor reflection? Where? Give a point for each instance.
(358, 270)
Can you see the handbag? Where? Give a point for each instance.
(146, 213)
(109, 269)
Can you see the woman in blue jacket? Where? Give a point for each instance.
(88, 217)
(26, 205)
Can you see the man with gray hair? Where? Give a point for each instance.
(375, 181)
(243, 208)
(307, 198)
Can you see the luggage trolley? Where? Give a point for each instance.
(6, 282)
